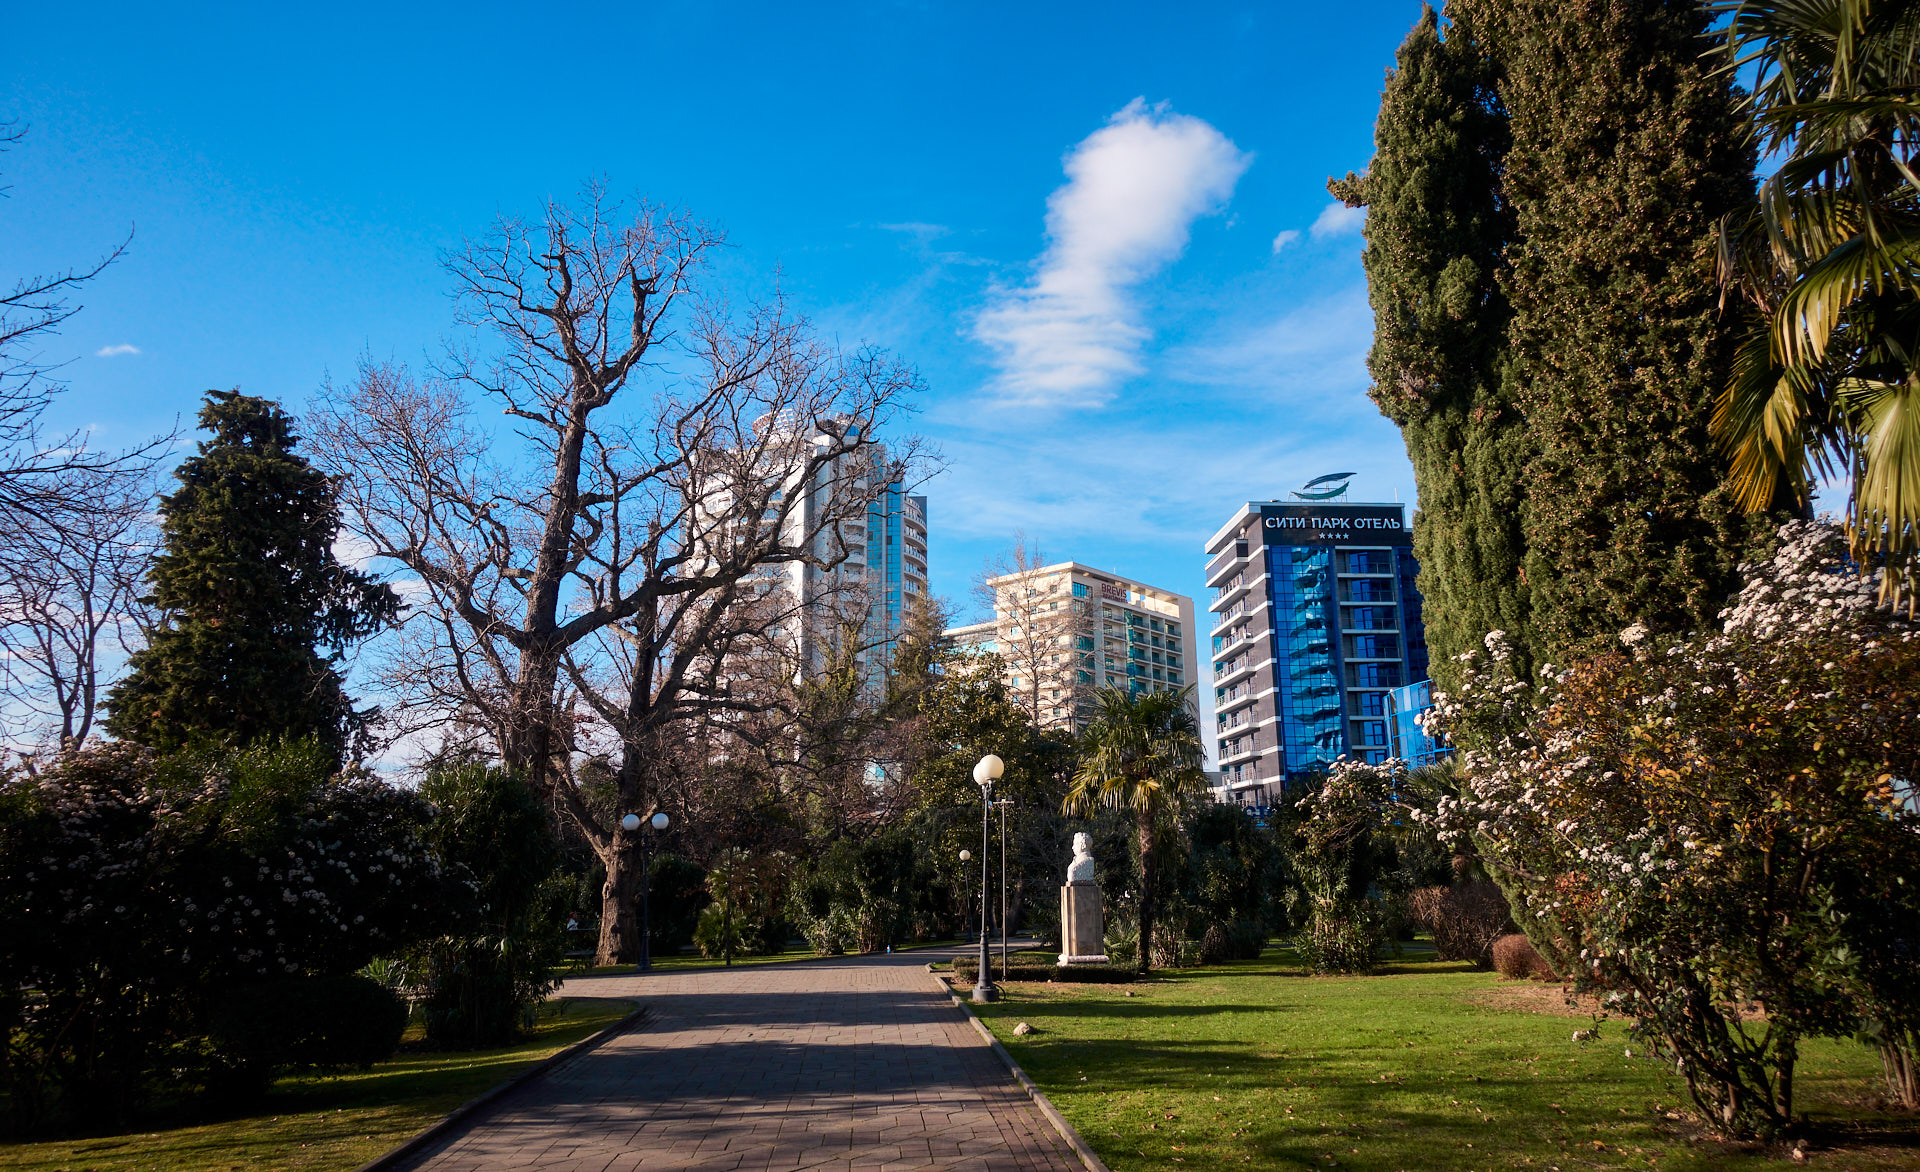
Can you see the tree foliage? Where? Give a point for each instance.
(1140, 754)
(255, 609)
(1540, 258)
(138, 891)
(1827, 379)
(1438, 224)
(1704, 827)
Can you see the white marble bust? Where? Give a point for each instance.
(1080, 870)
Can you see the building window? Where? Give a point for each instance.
(1079, 589)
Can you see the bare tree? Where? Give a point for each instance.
(1037, 627)
(49, 481)
(607, 576)
(70, 611)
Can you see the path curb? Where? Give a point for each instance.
(1067, 1132)
(447, 1122)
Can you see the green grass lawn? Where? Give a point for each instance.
(325, 1122)
(1424, 1066)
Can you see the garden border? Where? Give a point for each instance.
(446, 1123)
(1067, 1131)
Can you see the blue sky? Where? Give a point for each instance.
(1100, 232)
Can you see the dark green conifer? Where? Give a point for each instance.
(1540, 229)
(1627, 147)
(250, 596)
(1437, 227)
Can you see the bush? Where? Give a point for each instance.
(1340, 853)
(485, 979)
(1172, 949)
(1464, 920)
(1514, 956)
(260, 1031)
(134, 888)
(1336, 945)
(1244, 940)
(676, 895)
(1644, 806)
(743, 918)
(1123, 950)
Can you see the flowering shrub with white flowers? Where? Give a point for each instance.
(1717, 832)
(136, 890)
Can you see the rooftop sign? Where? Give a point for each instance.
(1332, 486)
(1315, 524)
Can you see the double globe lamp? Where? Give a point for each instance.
(631, 823)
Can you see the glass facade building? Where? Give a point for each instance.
(1316, 621)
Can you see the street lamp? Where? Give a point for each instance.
(985, 774)
(659, 823)
(1002, 805)
(965, 858)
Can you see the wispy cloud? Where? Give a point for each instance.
(1337, 219)
(1285, 238)
(1311, 356)
(116, 351)
(1134, 188)
(919, 231)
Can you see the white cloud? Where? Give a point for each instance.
(1134, 188)
(1337, 219)
(116, 351)
(1285, 238)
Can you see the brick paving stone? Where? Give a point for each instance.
(851, 1063)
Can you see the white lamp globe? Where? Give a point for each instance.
(660, 821)
(966, 856)
(988, 770)
(631, 822)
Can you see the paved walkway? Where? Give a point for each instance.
(856, 1062)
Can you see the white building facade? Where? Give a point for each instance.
(1065, 630)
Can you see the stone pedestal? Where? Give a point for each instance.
(1081, 927)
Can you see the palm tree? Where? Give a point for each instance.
(1142, 753)
(1827, 379)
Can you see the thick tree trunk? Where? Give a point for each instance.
(619, 917)
(1147, 900)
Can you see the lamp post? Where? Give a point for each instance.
(631, 823)
(966, 857)
(985, 773)
(1002, 805)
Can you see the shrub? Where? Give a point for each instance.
(1514, 956)
(1643, 806)
(1123, 950)
(1464, 920)
(134, 888)
(261, 1030)
(676, 894)
(1337, 858)
(1332, 944)
(484, 980)
(1242, 940)
(746, 891)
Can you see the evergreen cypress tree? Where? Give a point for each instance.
(1437, 226)
(250, 593)
(1626, 148)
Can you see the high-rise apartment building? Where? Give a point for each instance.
(864, 595)
(1064, 630)
(1316, 621)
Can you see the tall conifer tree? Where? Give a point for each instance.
(250, 595)
(1627, 147)
(1540, 227)
(1437, 226)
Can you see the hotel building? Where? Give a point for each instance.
(1315, 622)
(1065, 630)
